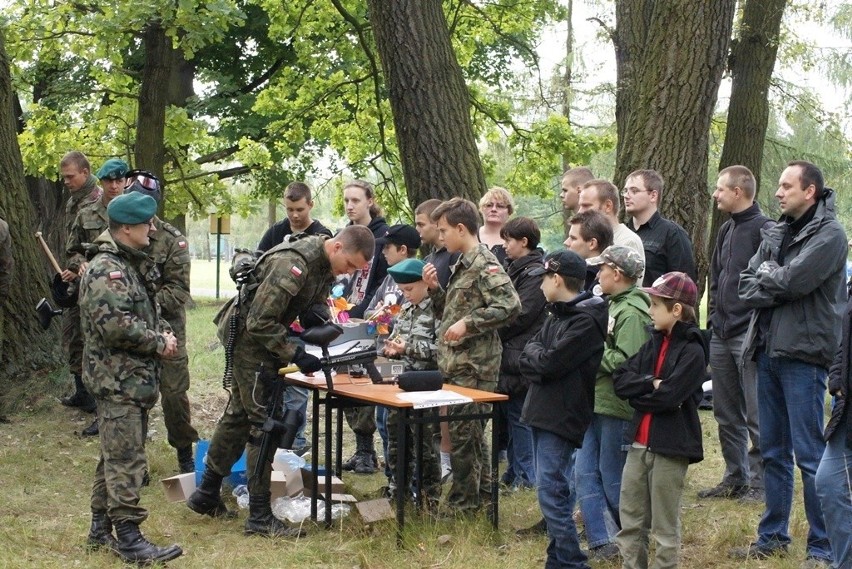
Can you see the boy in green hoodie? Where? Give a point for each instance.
(600, 460)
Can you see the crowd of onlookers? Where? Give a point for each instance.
(600, 353)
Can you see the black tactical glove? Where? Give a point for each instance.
(306, 362)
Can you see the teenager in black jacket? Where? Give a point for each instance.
(662, 382)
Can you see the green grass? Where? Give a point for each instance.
(46, 473)
(203, 276)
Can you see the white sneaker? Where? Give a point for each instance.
(446, 473)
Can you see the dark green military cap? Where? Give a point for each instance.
(407, 271)
(132, 208)
(113, 169)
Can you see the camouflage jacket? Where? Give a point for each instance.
(88, 194)
(121, 327)
(7, 262)
(166, 269)
(290, 278)
(88, 225)
(480, 293)
(416, 325)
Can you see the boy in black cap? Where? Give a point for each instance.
(400, 242)
(560, 363)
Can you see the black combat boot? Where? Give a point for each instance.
(186, 463)
(134, 548)
(100, 534)
(262, 522)
(81, 397)
(207, 498)
(92, 430)
(365, 455)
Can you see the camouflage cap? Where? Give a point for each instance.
(622, 258)
(676, 286)
(132, 209)
(113, 169)
(407, 271)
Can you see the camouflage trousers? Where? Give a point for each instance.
(174, 383)
(72, 338)
(469, 458)
(362, 420)
(122, 463)
(238, 429)
(431, 466)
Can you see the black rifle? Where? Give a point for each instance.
(280, 426)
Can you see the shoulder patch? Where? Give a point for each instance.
(493, 269)
(113, 275)
(296, 271)
(182, 243)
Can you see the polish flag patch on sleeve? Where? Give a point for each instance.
(296, 271)
(493, 270)
(182, 244)
(115, 275)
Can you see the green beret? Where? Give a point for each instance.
(113, 169)
(407, 271)
(132, 208)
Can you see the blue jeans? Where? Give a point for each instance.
(554, 464)
(834, 486)
(296, 399)
(600, 462)
(382, 427)
(520, 449)
(791, 404)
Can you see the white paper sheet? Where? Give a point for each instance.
(425, 399)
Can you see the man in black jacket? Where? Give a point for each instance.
(298, 204)
(734, 379)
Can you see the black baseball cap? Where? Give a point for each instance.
(566, 263)
(402, 235)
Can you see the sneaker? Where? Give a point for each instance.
(604, 552)
(446, 473)
(730, 491)
(754, 495)
(813, 562)
(539, 528)
(755, 551)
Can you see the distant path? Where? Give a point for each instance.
(211, 293)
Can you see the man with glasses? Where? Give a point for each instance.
(123, 345)
(88, 224)
(167, 270)
(667, 246)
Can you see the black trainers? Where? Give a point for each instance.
(604, 552)
(92, 430)
(755, 551)
(729, 491)
(539, 528)
(754, 495)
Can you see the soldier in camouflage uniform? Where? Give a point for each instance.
(167, 270)
(479, 299)
(254, 327)
(413, 341)
(90, 222)
(123, 343)
(76, 174)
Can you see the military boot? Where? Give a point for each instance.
(100, 534)
(186, 463)
(134, 548)
(81, 397)
(365, 455)
(262, 522)
(92, 430)
(207, 498)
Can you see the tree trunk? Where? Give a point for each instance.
(751, 61)
(429, 99)
(670, 57)
(567, 97)
(27, 347)
(153, 99)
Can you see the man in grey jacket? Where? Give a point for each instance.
(796, 284)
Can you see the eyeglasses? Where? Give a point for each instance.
(144, 178)
(495, 205)
(633, 191)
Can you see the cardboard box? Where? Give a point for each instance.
(285, 484)
(179, 488)
(345, 498)
(308, 480)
